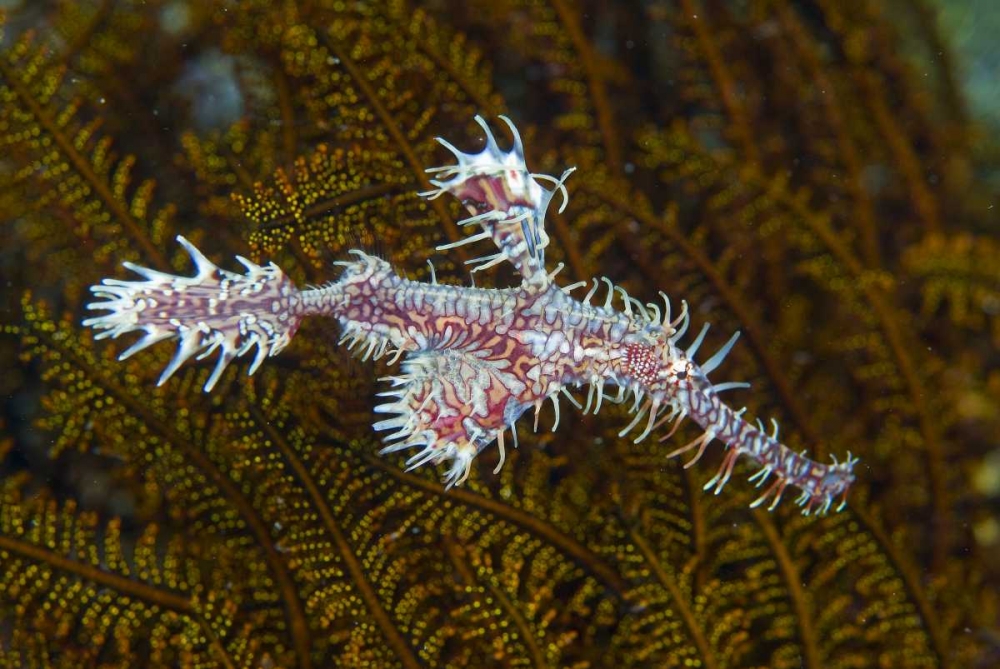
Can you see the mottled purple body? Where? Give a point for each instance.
(475, 359)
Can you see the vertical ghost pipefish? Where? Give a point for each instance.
(475, 359)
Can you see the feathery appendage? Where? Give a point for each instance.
(213, 310)
(475, 359)
(504, 199)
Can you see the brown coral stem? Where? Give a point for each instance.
(804, 614)
(297, 623)
(724, 82)
(82, 165)
(681, 605)
(565, 543)
(353, 566)
(390, 125)
(598, 93)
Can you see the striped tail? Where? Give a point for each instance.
(214, 310)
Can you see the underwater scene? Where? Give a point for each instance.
(500, 333)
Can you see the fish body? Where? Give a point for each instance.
(474, 360)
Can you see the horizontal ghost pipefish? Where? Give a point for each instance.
(475, 359)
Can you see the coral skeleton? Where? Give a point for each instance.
(474, 360)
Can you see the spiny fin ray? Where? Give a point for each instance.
(214, 310)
